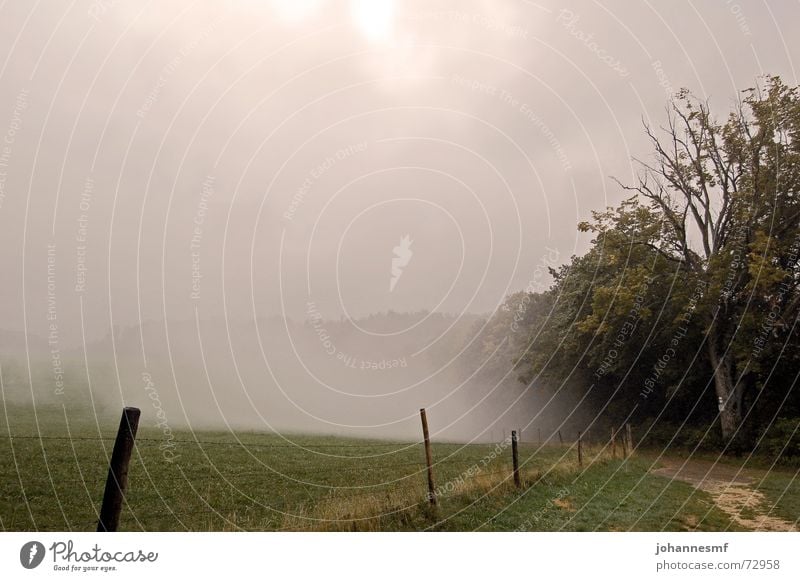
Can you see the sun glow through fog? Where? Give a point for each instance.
(375, 18)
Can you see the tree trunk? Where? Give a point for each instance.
(728, 401)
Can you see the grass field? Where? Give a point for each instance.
(210, 480)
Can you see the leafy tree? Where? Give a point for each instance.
(703, 257)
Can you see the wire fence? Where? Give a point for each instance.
(286, 488)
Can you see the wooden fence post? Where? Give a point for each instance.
(580, 451)
(630, 437)
(117, 480)
(560, 439)
(624, 446)
(613, 443)
(428, 456)
(515, 459)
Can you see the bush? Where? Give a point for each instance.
(781, 441)
(687, 437)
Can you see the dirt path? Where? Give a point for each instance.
(730, 488)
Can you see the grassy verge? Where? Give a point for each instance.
(782, 493)
(611, 495)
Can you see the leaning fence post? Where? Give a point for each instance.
(117, 480)
(580, 451)
(515, 458)
(428, 456)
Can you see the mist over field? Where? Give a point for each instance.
(279, 375)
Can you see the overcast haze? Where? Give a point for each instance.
(185, 164)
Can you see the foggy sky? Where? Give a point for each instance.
(484, 133)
